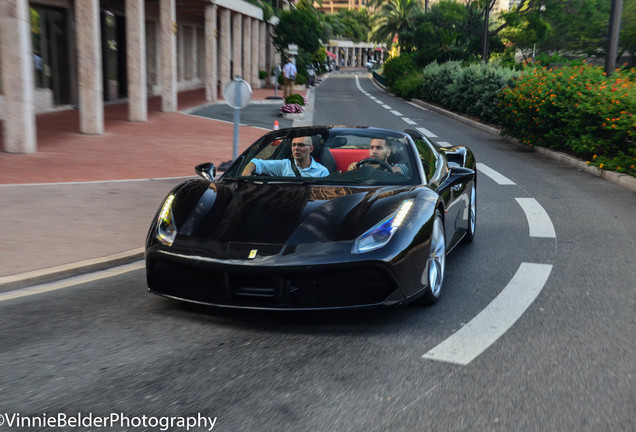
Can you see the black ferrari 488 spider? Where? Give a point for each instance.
(316, 218)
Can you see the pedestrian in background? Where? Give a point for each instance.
(289, 76)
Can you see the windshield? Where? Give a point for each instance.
(346, 156)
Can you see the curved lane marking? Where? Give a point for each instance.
(495, 319)
(494, 175)
(539, 222)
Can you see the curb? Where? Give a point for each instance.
(51, 274)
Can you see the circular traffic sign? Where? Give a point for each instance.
(237, 93)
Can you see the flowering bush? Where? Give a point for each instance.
(292, 108)
(576, 109)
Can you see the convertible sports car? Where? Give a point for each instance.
(375, 233)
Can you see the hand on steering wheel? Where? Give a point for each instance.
(383, 165)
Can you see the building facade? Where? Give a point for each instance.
(84, 53)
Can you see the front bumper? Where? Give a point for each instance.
(298, 287)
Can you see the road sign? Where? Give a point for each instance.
(237, 93)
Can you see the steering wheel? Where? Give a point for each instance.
(383, 165)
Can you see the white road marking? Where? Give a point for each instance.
(539, 222)
(409, 121)
(494, 320)
(427, 132)
(386, 106)
(373, 98)
(66, 283)
(444, 144)
(380, 102)
(396, 112)
(494, 175)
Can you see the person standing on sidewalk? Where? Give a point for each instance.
(289, 76)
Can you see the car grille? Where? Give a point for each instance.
(268, 288)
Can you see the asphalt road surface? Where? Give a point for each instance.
(535, 331)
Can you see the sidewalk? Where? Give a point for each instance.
(83, 201)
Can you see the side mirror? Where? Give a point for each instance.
(206, 170)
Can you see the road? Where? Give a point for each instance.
(542, 302)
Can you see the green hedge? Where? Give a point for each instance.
(472, 90)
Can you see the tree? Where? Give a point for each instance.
(396, 17)
(297, 26)
(627, 39)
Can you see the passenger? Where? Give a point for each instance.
(379, 149)
(301, 148)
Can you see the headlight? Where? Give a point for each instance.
(381, 233)
(166, 229)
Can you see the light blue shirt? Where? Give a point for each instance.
(283, 168)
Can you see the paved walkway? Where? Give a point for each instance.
(88, 198)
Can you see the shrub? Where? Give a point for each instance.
(396, 68)
(472, 90)
(577, 109)
(408, 86)
(262, 74)
(295, 99)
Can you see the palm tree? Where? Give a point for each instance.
(394, 17)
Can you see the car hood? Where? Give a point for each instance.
(279, 214)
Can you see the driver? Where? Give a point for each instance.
(301, 148)
(379, 149)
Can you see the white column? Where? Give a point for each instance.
(225, 47)
(254, 56)
(237, 46)
(89, 59)
(262, 58)
(210, 53)
(168, 29)
(17, 77)
(247, 49)
(136, 60)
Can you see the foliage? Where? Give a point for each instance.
(450, 31)
(297, 26)
(577, 109)
(396, 17)
(396, 68)
(262, 74)
(295, 98)
(472, 90)
(408, 86)
(627, 38)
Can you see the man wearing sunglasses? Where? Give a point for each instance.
(303, 165)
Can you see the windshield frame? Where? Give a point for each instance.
(274, 145)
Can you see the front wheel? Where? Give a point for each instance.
(472, 215)
(433, 275)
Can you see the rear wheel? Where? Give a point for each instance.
(433, 276)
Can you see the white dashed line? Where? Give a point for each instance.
(408, 120)
(427, 132)
(494, 320)
(539, 222)
(386, 106)
(444, 144)
(494, 175)
(397, 113)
